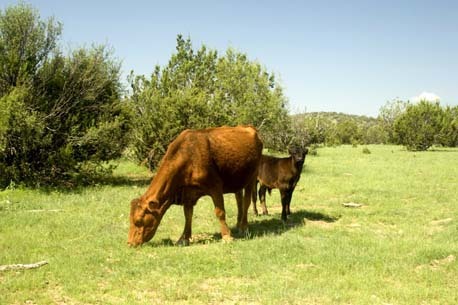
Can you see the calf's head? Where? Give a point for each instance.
(144, 220)
(298, 153)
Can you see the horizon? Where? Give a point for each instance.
(345, 57)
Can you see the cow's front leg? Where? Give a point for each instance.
(218, 201)
(184, 239)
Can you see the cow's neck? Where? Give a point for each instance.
(164, 185)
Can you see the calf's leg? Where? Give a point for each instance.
(285, 200)
(288, 211)
(262, 198)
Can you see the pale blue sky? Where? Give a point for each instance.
(344, 56)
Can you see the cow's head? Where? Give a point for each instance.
(144, 219)
(298, 153)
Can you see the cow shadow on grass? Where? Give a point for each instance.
(275, 226)
(261, 226)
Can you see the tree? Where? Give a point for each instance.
(348, 132)
(375, 134)
(388, 115)
(448, 135)
(418, 127)
(198, 89)
(59, 113)
(26, 42)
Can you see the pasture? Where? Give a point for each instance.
(399, 247)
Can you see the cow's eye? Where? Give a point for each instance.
(153, 205)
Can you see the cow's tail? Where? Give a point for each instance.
(254, 192)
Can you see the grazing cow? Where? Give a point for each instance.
(202, 162)
(280, 173)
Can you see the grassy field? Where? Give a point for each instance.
(399, 247)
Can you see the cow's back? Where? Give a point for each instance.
(229, 155)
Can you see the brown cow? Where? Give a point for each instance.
(280, 173)
(210, 162)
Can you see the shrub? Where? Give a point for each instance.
(57, 112)
(418, 127)
(198, 89)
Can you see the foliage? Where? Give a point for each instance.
(332, 128)
(198, 89)
(26, 42)
(57, 112)
(448, 135)
(387, 117)
(418, 127)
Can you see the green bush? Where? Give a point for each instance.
(419, 126)
(57, 112)
(198, 89)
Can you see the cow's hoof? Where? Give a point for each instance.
(227, 238)
(265, 213)
(183, 242)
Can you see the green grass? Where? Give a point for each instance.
(400, 247)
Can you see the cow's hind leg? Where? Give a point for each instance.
(239, 199)
(247, 197)
(184, 239)
(254, 199)
(218, 201)
(262, 198)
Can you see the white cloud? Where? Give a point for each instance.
(425, 96)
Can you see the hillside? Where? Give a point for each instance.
(336, 117)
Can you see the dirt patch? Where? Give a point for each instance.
(202, 238)
(352, 204)
(441, 222)
(306, 266)
(437, 226)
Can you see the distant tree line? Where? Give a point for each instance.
(418, 126)
(64, 115)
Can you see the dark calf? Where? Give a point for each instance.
(282, 174)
